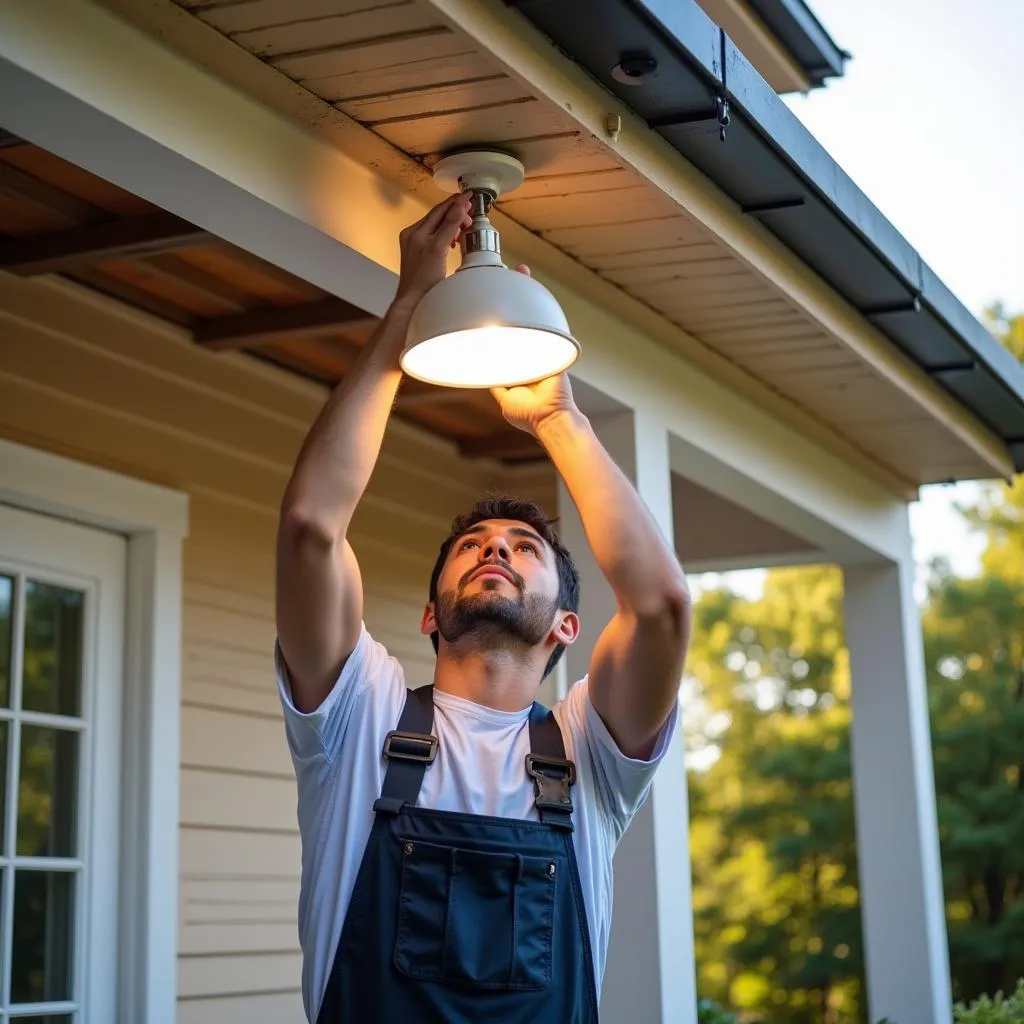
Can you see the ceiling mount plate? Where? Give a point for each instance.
(494, 171)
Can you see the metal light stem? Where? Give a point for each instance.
(481, 236)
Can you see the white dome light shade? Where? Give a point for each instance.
(487, 357)
(488, 326)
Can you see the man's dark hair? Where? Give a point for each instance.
(530, 513)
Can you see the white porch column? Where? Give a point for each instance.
(902, 908)
(650, 974)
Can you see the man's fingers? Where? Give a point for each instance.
(440, 213)
(442, 227)
(455, 217)
(499, 393)
(448, 225)
(432, 220)
(524, 269)
(418, 225)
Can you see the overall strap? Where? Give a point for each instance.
(408, 750)
(552, 774)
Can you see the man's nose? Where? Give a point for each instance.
(495, 548)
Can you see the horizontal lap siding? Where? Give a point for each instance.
(80, 377)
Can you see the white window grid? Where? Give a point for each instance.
(9, 861)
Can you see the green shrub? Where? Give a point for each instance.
(984, 1010)
(993, 1011)
(709, 1012)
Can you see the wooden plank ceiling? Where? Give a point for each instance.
(396, 68)
(56, 218)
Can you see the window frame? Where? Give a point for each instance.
(154, 521)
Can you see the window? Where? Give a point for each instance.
(59, 681)
(131, 694)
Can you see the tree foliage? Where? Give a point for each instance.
(974, 645)
(1000, 1009)
(775, 898)
(772, 834)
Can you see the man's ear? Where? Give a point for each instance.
(427, 624)
(566, 628)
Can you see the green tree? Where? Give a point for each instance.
(775, 895)
(974, 646)
(772, 829)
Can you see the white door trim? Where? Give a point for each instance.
(94, 563)
(155, 521)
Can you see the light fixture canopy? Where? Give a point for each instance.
(485, 325)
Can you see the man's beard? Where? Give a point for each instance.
(492, 621)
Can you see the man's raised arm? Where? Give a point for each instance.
(319, 590)
(637, 664)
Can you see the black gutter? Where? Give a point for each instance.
(794, 25)
(712, 106)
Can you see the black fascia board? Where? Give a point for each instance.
(775, 169)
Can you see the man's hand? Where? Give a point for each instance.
(529, 405)
(425, 246)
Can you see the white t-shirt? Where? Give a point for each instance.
(479, 769)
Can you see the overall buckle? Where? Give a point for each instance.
(410, 746)
(552, 778)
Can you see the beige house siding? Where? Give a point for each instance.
(86, 378)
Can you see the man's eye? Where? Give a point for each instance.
(468, 543)
(529, 547)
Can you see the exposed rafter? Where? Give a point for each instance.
(46, 198)
(195, 281)
(269, 324)
(131, 294)
(518, 447)
(413, 396)
(57, 251)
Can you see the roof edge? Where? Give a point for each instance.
(798, 29)
(762, 157)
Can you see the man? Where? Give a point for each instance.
(457, 840)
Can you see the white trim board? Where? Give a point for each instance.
(155, 521)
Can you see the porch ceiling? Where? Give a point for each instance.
(405, 73)
(57, 218)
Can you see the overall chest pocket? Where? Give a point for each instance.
(476, 919)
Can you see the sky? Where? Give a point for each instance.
(928, 121)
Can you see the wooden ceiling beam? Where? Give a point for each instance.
(265, 269)
(413, 397)
(71, 248)
(132, 295)
(269, 324)
(47, 198)
(196, 281)
(516, 447)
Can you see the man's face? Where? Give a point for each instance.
(498, 587)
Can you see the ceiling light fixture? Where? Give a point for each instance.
(485, 325)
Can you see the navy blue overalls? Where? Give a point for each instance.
(462, 917)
